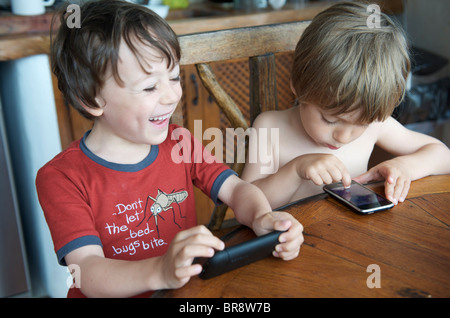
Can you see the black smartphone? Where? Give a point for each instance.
(361, 199)
(239, 255)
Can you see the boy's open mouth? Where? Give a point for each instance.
(160, 118)
(160, 121)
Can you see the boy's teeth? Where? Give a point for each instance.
(160, 117)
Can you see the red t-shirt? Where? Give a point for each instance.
(132, 210)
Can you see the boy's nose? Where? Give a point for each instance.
(169, 95)
(343, 136)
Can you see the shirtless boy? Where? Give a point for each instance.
(347, 78)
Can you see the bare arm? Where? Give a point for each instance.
(422, 154)
(104, 277)
(278, 187)
(317, 168)
(252, 209)
(418, 155)
(278, 184)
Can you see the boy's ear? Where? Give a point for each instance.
(292, 87)
(96, 112)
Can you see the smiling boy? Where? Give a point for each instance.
(117, 205)
(347, 78)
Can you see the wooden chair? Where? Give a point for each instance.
(259, 44)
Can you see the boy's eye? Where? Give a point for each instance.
(154, 87)
(328, 121)
(150, 89)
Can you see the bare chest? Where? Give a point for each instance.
(355, 155)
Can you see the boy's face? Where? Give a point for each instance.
(328, 130)
(139, 109)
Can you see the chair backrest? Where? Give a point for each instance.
(259, 44)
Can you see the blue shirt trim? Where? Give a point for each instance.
(218, 184)
(76, 243)
(118, 166)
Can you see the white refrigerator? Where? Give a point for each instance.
(32, 134)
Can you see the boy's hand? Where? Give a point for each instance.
(177, 267)
(290, 241)
(398, 179)
(323, 169)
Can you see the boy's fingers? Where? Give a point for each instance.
(276, 221)
(343, 176)
(317, 179)
(405, 191)
(192, 231)
(365, 177)
(346, 180)
(398, 190)
(326, 178)
(336, 175)
(292, 238)
(186, 272)
(401, 189)
(287, 256)
(192, 251)
(288, 250)
(201, 235)
(389, 187)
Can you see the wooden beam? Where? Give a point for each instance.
(16, 47)
(223, 100)
(263, 85)
(227, 44)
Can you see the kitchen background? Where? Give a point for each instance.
(30, 136)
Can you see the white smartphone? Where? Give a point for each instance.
(359, 198)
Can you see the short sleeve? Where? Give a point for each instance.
(207, 172)
(68, 215)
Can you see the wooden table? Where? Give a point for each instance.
(409, 245)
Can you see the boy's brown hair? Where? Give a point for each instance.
(340, 64)
(81, 57)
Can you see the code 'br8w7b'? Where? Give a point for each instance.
(246, 307)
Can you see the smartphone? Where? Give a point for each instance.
(359, 198)
(239, 255)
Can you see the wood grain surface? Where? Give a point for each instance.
(409, 243)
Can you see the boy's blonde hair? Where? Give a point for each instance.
(340, 64)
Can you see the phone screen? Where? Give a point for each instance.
(359, 197)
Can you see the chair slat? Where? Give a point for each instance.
(240, 42)
(263, 85)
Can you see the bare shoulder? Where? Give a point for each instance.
(391, 128)
(273, 118)
(377, 131)
(399, 140)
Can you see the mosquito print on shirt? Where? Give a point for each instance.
(162, 203)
